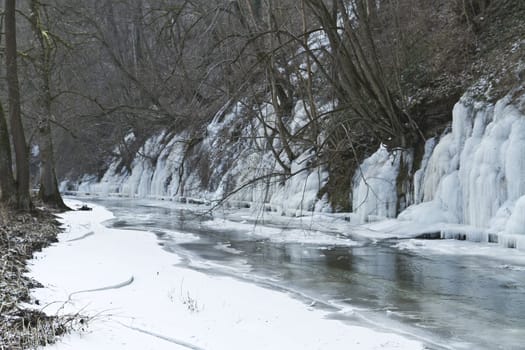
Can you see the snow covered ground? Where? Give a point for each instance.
(137, 297)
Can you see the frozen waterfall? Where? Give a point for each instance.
(474, 175)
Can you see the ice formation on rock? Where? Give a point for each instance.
(374, 191)
(159, 169)
(473, 175)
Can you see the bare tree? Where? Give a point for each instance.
(358, 69)
(7, 182)
(17, 128)
(45, 47)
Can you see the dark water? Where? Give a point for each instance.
(447, 301)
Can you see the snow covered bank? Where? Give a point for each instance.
(138, 298)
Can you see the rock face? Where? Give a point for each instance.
(477, 170)
(227, 162)
(474, 175)
(471, 175)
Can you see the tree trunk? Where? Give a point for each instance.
(48, 191)
(17, 128)
(7, 182)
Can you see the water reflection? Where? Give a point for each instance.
(459, 301)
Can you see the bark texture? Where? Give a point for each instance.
(17, 128)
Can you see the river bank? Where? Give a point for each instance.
(21, 235)
(136, 295)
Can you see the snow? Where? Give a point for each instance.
(472, 175)
(137, 297)
(516, 222)
(427, 213)
(161, 170)
(374, 190)
(509, 258)
(420, 173)
(304, 235)
(299, 193)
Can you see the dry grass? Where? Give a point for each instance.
(22, 234)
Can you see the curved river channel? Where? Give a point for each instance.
(448, 301)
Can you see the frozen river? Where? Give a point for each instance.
(447, 300)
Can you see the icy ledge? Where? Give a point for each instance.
(475, 176)
(224, 164)
(470, 185)
(168, 307)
